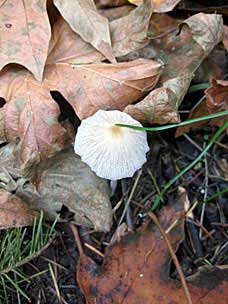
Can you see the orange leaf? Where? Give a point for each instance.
(136, 270)
(25, 33)
(14, 212)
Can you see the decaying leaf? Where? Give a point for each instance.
(69, 182)
(137, 270)
(67, 46)
(129, 33)
(225, 38)
(14, 212)
(25, 33)
(29, 115)
(85, 20)
(116, 12)
(182, 55)
(159, 6)
(89, 88)
(216, 101)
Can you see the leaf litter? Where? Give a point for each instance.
(112, 55)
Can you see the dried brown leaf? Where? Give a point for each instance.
(29, 115)
(137, 270)
(67, 181)
(182, 54)
(110, 3)
(225, 38)
(67, 46)
(14, 212)
(159, 6)
(89, 88)
(129, 33)
(85, 20)
(161, 105)
(25, 34)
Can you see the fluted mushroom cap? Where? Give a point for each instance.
(112, 152)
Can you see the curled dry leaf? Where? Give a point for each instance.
(216, 101)
(14, 212)
(68, 182)
(110, 3)
(67, 46)
(30, 114)
(129, 33)
(116, 12)
(161, 105)
(159, 6)
(225, 38)
(137, 270)
(25, 33)
(85, 20)
(182, 54)
(89, 88)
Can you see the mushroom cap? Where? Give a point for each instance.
(112, 152)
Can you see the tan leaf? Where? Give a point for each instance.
(85, 20)
(161, 105)
(159, 6)
(30, 114)
(69, 182)
(25, 34)
(67, 46)
(225, 38)
(116, 12)
(89, 88)
(14, 212)
(110, 3)
(129, 33)
(207, 30)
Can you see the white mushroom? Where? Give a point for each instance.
(112, 152)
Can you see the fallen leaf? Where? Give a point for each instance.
(110, 3)
(89, 88)
(225, 38)
(25, 33)
(14, 212)
(216, 101)
(85, 20)
(67, 46)
(129, 33)
(67, 181)
(182, 54)
(159, 6)
(161, 105)
(137, 270)
(116, 12)
(29, 115)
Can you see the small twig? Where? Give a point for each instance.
(194, 144)
(205, 195)
(130, 197)
(128, 211)
(94, 249)
(172, 253)
(77, 238)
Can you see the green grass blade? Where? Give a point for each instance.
(183, 123)
(192, 164)
(198, 87)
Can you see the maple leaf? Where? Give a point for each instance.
(25, 33)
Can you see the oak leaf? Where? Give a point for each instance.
(159, 6)
(25, 33)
